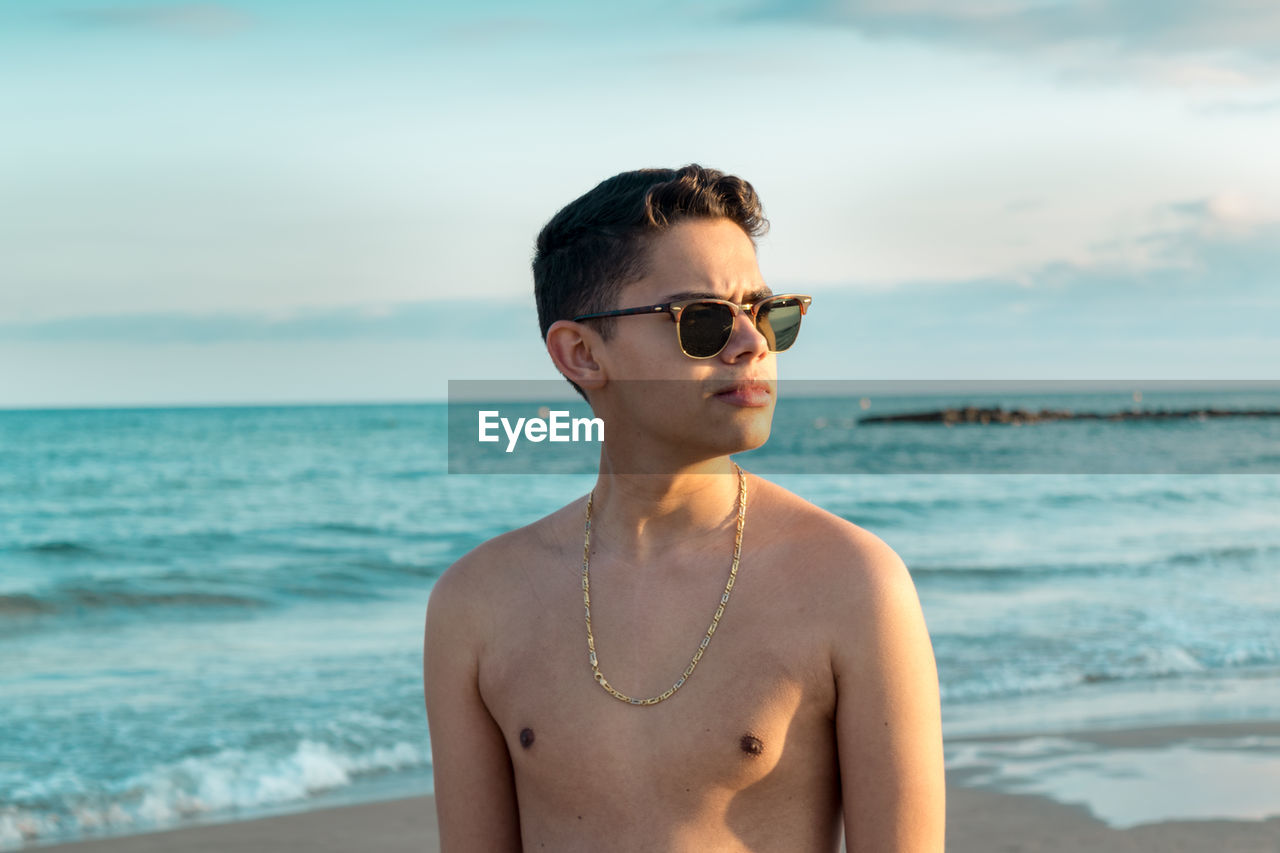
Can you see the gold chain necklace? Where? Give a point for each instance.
(715, 620)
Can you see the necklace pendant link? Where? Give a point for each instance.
(715, 620)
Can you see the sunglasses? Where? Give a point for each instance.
(704, 326)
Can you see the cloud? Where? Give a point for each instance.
(1228, 233)
(185, 19)
(1196, 233)
(1205, 267)
(1207, 309)
(1182, 43)
(1203, 275)
(473, 320)
(1229, 207)
(1241, 107)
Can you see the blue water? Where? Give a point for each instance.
(209, 612)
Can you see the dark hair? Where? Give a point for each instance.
(598, 242)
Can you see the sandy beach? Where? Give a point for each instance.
(393, 826)
(979, 820)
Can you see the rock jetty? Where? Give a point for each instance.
(1018, 417)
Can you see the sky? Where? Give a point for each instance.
(278, 202)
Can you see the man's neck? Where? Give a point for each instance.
(646, 514)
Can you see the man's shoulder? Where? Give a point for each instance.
(855, 589)
(493, 566)
(834, 553)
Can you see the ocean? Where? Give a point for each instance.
(214, 613)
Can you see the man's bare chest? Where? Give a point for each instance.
(756, 707)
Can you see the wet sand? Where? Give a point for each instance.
(978, 820)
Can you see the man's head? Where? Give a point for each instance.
(682, 368)
(600, 242)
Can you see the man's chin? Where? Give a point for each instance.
(748, 436)
(720, 440)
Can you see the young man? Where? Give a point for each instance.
(690, 658)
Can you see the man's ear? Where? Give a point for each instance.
(570, 346)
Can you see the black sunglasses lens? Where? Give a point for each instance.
(779, 322)
(705, 327)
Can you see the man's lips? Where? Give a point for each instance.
(747, 393)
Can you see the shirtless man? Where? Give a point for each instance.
(815, 696)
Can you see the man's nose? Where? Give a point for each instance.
(746, 338)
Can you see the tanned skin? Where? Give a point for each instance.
(815, 707)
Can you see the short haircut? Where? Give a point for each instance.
(598, 242)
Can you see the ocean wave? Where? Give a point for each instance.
(189, 539)
(1214, 555)
(399, 567)
(1150, 663)
(17, 605)
(330, 586)
(231, 780)
(1164, 661)
(214, 587)
(1005, 570)
(348, 527)
(413, 474)
(74, 599)
(61, 548)
(1229, 554)
(1004, 685)
(96, 598)
(1245, 653)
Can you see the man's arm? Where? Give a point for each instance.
(475, 790)
(888, 720)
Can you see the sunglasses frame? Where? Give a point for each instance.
(675, 308)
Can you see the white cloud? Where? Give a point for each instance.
(187, 19)
(1183, 43)
(1232, 206)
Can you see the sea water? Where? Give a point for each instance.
(208, 613)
